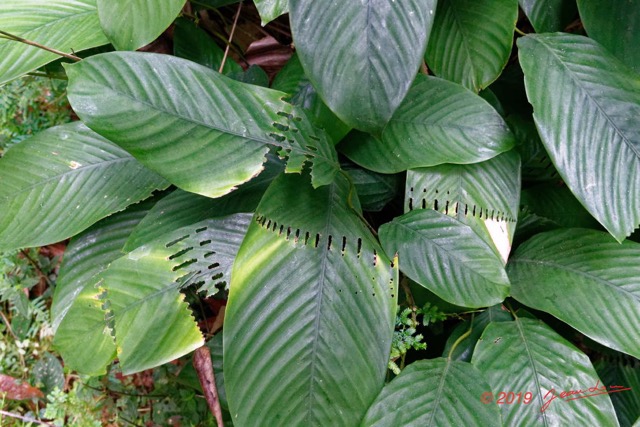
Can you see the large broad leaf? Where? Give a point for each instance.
(311, 307)
(65, 25)
(625, 373)
(207, 139)
(374, 189)
(63, 180)
(615, 27)
(438, 122)
(556, 203)
(81, 335)
(484, 196)
(361, 55)
(577, 274)
(548, 16)
(446, 257)
(531, 365)
(131, 24)
(435, 392)
(271, 9)
(587, 109)
(181, 208)
(471, 40)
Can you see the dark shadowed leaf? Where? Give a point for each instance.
(548, 16)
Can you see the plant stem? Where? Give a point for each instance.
(204, 368)
(24, 418)
(15, 337)
(36, 266)
(519, 31)
(460, 339)
(38, 45)
(233, 30)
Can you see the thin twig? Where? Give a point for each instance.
(204, 368)
(15, 337)
(38, 45)
(35, 265)
(233, 30)
(25, 418)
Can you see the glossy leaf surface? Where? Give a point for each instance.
(208, 140)
(60, 181)
(271, 9)
(316, 288)
(364, 66)
(587, 110)
(548, 16)
(438, 122)
(576, 274)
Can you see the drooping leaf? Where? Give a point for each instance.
(446, 257)
(207, 140)
(131, 24)
(60, 181)
(464, 349)
(78, 317)
(587, 110)
(527, 356)
(434, 392)
(438, 122)
(193, 43)
(615, 27)
(320, 297)
(548, 16)
(361, 56)
(181, 208)
(271, 9)
(471, 40)
(576, 275)
(65, 25)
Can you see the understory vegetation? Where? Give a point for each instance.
(319, 213)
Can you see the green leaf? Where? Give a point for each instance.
(361, 56)
(320, 297)
(181, 208)
(587, 110)
(464, 349)
(438, 122)
(548, 16)
(193, 43)
(291, 79)
(471, 40)
(626, 374)
(374, 190)
(131, 24)
(484, 196)
(65, 25)
(271, 9)
(576, 274)
(446, 257)
(209, 139)
(434, 392)
(61, 181)
(557, 204)
(615, 27)
(536, 164)
(527, 356)
(78, 318)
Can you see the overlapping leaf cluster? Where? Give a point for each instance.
(179, 177)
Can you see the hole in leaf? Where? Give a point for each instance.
(178, 240)
(184, 264)
(180, 253)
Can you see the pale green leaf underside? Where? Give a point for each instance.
(528, 356)
(471, 40)
(81, 335)
(438, 122)
(436, 392)
(61, 181)
(320, 297)
(65, 25)
(361, 55)
(271, 9)
(587, 110)
(446, 257)
(202, 131)
(615, 27)
(576, 275)
(131, 24)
